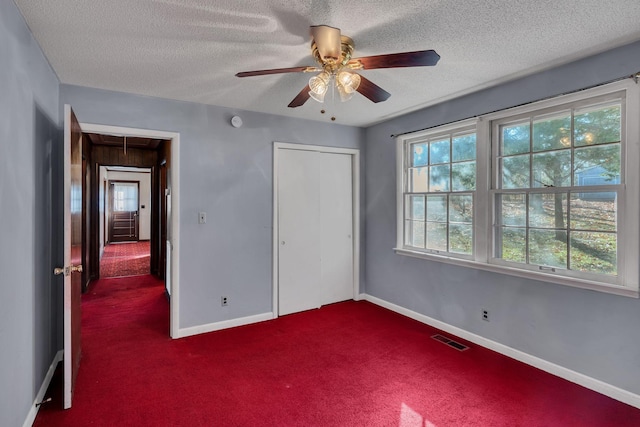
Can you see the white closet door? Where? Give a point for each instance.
(298, 231)
(336, 228)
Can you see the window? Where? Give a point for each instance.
(439, 191)
(125, 196)
(540, 191)
(557, 180)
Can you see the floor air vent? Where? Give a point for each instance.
(450, 342)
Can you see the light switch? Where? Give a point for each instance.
(202, 218)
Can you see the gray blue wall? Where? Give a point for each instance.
(28, 292)
(227, 173)
(590, 332)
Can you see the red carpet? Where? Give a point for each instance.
(125, 259)
(347, 364)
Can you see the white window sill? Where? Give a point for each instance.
(542, 276)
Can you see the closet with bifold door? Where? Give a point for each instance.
(315, 250)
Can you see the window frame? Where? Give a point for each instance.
(626, 281)
(404, 157)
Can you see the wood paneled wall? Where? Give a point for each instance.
(115, 156)
(103, 155)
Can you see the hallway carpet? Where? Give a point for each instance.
(346, 364)
(125, 259)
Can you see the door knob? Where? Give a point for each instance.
(67, 270)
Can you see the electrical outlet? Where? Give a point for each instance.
(485, 315)
(202, 218)
(224, 301)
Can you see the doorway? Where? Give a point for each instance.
(129, 209)
(125, 205)
(316, 226)
(135, 151)
(123, 211)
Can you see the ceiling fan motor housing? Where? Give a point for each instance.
(332, 65)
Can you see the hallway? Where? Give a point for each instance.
(125, 259)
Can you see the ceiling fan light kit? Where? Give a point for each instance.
(333, 53)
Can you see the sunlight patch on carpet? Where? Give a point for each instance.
(410, 418)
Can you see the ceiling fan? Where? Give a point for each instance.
(332, 51)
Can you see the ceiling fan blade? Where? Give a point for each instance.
(327, 41)
(372, 91)
(300, 98)
(419, 58)
(278, 71)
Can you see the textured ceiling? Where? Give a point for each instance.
(190, 50)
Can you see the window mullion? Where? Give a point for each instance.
(573, 153)
(527, 229)
(482, 200)
(569, 227)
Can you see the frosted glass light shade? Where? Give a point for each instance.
(344, 95)
(350, 81)
(318, 86)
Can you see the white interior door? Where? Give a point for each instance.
(315, 229)
(298, 231)
(336, 227)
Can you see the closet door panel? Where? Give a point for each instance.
(299, 269)
(336, 227)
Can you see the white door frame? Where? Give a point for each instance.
(174, 225)
(355, 180)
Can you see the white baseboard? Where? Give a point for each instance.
(231, 323)
(31, 416)
(557, 370)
